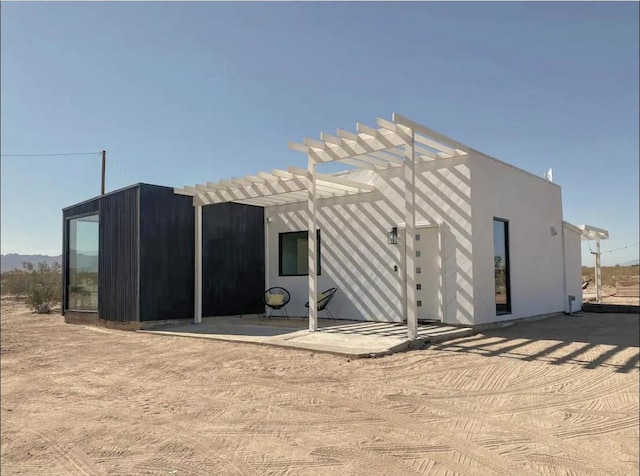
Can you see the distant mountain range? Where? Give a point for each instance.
(633, 262)
(14, 261)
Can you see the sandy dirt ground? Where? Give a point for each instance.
(609, 296)
(552, 397)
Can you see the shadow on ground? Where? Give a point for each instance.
(589, 340)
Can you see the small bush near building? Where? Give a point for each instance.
(39, 286)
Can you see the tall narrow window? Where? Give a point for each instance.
(82, 263)
(501, 266)
(294, 253)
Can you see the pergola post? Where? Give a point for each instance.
(410, 236)
(598, 274)
(197, 303)
(313, 257)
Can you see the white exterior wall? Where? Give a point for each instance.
(355, 255)
(532, 206)
(573, 266)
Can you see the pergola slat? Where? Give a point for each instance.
(322, 178)
(362, 164)
(399, 130)
(434, 145)
(425, 131)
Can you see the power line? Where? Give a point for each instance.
(621, 248)
(124, 170)
(50, 155)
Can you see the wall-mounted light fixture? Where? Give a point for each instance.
(554, 232)
(392, 237)
(269, 219)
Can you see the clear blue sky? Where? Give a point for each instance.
(184, 93)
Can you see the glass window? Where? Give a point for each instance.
(82, 263)
(294, 253)
(501, 266)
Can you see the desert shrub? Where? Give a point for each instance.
(610, 274)
(15, 283)
(40, 285)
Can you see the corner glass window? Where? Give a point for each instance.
(82, 263)
(501, 266)
(294, 253)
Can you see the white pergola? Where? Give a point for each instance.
(396, 143)
(591, 233)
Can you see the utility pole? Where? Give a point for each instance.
(598, 274)
(104, 168)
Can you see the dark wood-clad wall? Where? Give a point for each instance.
(233, 259)
(118, 263)
(167, 235)
(147, 251)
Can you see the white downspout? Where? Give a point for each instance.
(565, 295)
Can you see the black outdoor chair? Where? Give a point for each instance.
(323, 301)
(276, 299)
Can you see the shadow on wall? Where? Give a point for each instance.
(443, 194)
(358, 260)
(568, 340)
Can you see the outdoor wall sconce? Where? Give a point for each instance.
(393, 236)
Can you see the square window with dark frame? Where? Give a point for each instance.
(293, 253)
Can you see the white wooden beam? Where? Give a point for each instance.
(384, 155)
(253, 179)
(215, 185)
(198, 201)
(241, 181)
(335, 153)
(401, 131)
(428, 152)
(434, 145)
(312, 241)
(269, 177)
(345, 184)
(182, 191)
(356, 162)
(347, 135)
(350, 147)
(298, 147)
(388, 140)
(410, 260)
(422, 130)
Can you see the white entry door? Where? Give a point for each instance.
(428, 273)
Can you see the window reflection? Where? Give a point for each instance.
(501, 266)
(82, 253)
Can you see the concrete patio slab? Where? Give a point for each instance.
(355, 339)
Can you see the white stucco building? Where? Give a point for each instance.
(421, 227)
